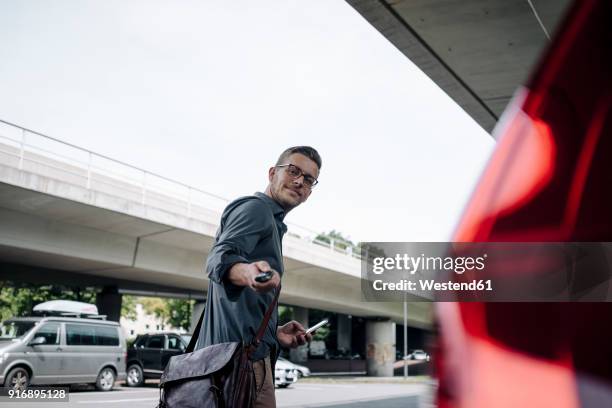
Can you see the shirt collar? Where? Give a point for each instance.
(277, 210)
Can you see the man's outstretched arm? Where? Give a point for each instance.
(228, 260)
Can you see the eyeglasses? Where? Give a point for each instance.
(295, 173)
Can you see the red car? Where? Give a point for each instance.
(549, 180)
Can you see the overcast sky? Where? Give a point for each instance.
(210, 92)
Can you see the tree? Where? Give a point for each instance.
(20, 299)
(321, 334)
(181, 311)
(285, 314)
(128, 307)
(340, 242)
(175, 312)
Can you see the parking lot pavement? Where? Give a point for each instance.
(319, 394)
(302, 394)
(145, 397)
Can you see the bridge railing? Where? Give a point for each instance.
(38, 153)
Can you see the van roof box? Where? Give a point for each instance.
(67, 308)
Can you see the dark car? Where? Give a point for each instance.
(149, 354)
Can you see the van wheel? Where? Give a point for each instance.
(135, 376)
(106, 379)
(17, 379)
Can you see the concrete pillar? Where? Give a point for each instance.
(300, 354)
(344, 332)
(198, 308)
(380, 348)
(109, 303)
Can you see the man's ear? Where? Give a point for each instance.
(271, 173)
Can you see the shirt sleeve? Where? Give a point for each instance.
(242, 228)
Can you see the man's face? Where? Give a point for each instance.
(288, 191)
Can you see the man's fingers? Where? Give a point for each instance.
(272, 283)
(301, 339)
(265, 286)
(298, 326)
(263, 266)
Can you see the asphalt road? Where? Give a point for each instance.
(301, 394)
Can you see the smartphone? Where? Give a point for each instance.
(318, 325)
(263, 277)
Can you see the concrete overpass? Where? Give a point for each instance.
(478, 51)
(69, 215)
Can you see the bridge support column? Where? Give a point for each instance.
(109, 303)
(198, 308)
(344, 332)
(300, 354)
(380, 348)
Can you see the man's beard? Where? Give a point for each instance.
(277, 196)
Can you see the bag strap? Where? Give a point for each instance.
(196, 334)
(266, 319)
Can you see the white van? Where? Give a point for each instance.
(61, 350)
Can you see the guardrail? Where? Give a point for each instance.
(39, 153)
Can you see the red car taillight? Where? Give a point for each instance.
(549, 179)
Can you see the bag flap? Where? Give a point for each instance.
(200, 363)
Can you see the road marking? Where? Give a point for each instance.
(343, 402)
(114, 392)
(119, 400)
(327, 385)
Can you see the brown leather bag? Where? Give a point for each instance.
(220, 375)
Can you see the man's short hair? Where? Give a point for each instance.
(307, 151)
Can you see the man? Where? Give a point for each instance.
(248, 243)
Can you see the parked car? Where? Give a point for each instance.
(418, 355)
(303, 371)
(149, 355)
(548, 181)
(61, 350)
(285, 373)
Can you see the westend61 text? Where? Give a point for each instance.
(430, 284)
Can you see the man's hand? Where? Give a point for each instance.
(243, 274)
(292, 335)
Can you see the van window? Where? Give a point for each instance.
(50, 331)
(107, 336)
(90, 335)
(156, 342)
(12, 329)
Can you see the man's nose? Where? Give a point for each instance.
(299, 180)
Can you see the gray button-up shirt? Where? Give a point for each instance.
(246, 234)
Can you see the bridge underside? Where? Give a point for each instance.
(478, 52)
(48, 239)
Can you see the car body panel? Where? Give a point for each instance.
(285, 373)
(302, 370)
(153, 360)
(548, 180)
(59, 363)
